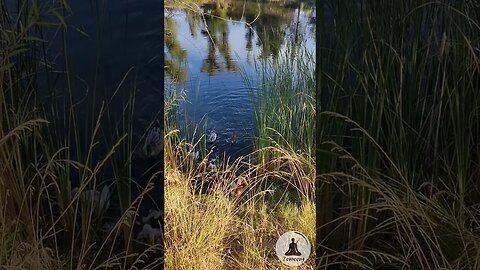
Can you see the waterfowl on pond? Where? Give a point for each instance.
(212, 137)
(152, 214)
(107, 231)
(233, 139)
(239, 187)
(212, 163)
(99, 200)
(211, 166)
(149, 234)
(195, 155)
(153, 144)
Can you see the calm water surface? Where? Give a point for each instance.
(108, 42)
(210, 55)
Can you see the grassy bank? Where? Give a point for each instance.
(398, 135)
(45, 147)
(231, 215)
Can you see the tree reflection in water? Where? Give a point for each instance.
(176, 58)
(271, 25)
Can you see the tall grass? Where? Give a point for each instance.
(210, 226)
(284, 106)
(230, 215)
(399, 127)
(44, 146)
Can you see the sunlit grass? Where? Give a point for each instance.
(220, 224)
(279, 189)
(284, 105)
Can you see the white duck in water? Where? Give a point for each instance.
(152, 214)
(212, 163)
(153, 145)
(150, 234)
(196, 155)
(99, 200)
(212, 137)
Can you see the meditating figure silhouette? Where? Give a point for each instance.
(292, 249)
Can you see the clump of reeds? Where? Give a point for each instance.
(284, 105)
(284, 100)
(45, 223)
(399, 126)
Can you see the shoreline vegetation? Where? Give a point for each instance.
(69, 197)
(228, 214)
(398, 135)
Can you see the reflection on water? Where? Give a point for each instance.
(207, 51)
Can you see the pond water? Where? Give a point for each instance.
(105, 43)
(107, 39)
(210, 49)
